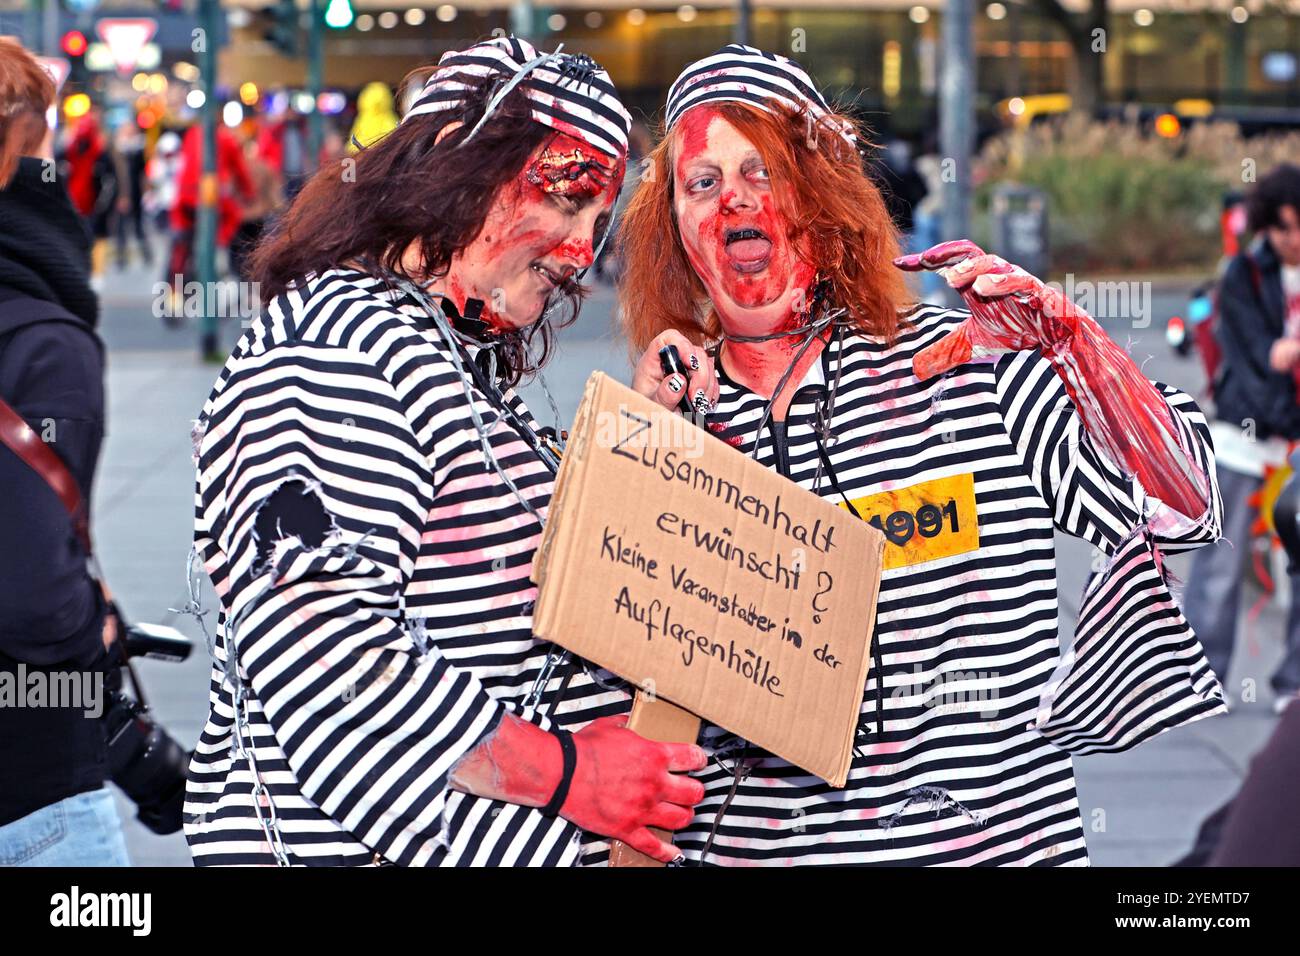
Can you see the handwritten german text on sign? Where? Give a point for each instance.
(676, 562)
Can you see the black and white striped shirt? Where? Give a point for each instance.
(385, 652)
(382, 654)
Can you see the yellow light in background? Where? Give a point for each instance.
(76, 106)
(686, 13)
(1021, 110)
(1193, 107)
(891, 80)
(140, 82)
(918, 14)
(157, 83)
(1143, 17)
(248, 93)
(636, 16)
(1167, 125)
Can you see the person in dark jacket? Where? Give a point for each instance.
(129, 214)
(1257, 413)
(1258, 826)
(56, 635)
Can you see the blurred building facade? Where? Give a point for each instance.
(883, 55)
(880, 55)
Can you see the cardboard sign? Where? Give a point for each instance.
(674, 561)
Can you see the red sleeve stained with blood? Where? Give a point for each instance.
(1122, 411)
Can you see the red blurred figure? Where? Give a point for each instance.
(233, 183)
(83, 151)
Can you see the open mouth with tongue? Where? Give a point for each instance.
(748, 250)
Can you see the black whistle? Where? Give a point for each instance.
(670, 360)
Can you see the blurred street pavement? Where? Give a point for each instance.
(1139, 808)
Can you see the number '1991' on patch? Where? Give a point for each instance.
(926, 521)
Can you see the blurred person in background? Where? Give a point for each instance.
(1257, 415)
(282, 142)
(81, 152)
(234, 189)
(268, 192)
(92, 183)
(375, 116)
(109, 189)
(927, 215)
(129, 156)
(332, 146)
(1260, 825)
(163, 181)
(901, 186)
(55, 809)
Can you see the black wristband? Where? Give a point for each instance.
(570, 753)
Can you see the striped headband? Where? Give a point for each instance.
(568, 92)
(743, 74)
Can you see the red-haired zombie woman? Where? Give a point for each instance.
(760, 248)
(371, 491)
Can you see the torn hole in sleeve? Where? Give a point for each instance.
(291, 517)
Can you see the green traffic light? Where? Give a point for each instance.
(338, 14)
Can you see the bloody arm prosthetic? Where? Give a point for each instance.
(1121, 410)
(621, 783)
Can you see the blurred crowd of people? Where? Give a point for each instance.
(131, 185)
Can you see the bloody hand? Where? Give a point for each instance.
(622, 783)
(1124, 414)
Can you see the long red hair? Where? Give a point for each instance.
(823, 192)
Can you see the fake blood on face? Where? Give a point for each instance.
(539, 232)
(735, 237)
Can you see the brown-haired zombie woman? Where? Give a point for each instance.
(371, 491)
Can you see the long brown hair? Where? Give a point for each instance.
(26, 92)
(409, 187)
(825, 195)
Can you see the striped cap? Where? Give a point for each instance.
(569, 92)
(743, 74)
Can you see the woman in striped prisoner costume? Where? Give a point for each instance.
(967, 437)
(371, 491)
